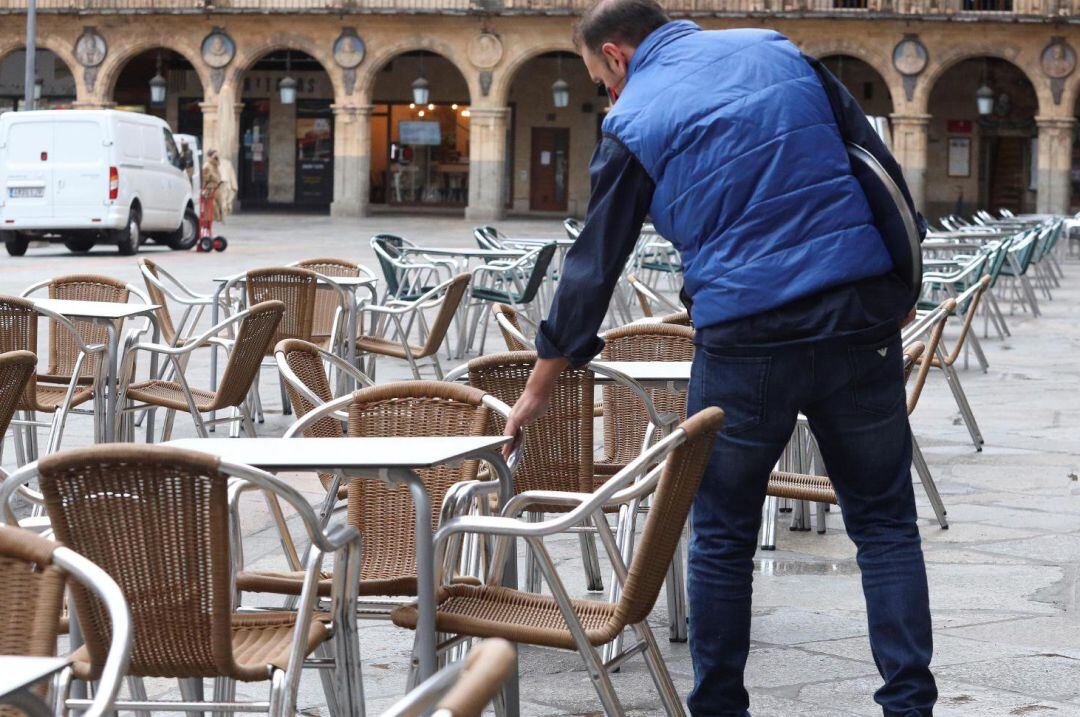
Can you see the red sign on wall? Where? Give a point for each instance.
(959, 126)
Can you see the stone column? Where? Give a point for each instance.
(909, 138)
(1055, 163)
(210, 127)
(487, 163)
(352, 160)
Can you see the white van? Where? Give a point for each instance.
(87, 176)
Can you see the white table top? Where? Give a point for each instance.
(368, 453)
(466, 252)
(19, 672)
(650, 371)
(94, 309)
(346, 281)
(537, 241)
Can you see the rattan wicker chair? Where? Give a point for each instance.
(327, 322)
(556, 620)
(76, 352)
(384, 515)
(162, 287)
(34, 573)
(169, 510)
(626, 419)
(463, 688)
(559, 446)
(254, 330)
(407, 317)
(795, 482)
(16, 375)
(509, 322)
(648, 298)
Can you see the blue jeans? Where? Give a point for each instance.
(851, 390)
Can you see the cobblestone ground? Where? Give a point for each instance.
(1003, 578)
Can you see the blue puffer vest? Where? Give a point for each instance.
(753, 184)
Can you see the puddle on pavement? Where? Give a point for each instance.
(773, 567)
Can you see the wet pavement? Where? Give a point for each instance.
(1003, 578)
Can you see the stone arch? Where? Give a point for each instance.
(940, 65)
(500, 90)
(368, 72)
(248, 55)
(119, 57)
(65, 52)
(880, 62)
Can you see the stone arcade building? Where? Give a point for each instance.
(981, 95)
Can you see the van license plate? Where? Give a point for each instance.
(26, 192)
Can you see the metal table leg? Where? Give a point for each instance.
(112, 410)
(215, 316)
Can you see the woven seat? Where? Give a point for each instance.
(388, 347)
(48, 397)
(169, 394)
(491, 611)
(289, 582)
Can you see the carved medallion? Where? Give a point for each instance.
(90, 48)
(1058, 60)
(218, 49)
(910, 56)
(485, 50)
(349, 49)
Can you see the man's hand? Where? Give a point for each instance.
(534, 401)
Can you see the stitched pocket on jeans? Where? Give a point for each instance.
(738, 385)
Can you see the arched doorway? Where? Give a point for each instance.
(981, 157)
(864, 83)
(179, 97)
(420, 150)
(54, 89)
(286, 143)
(550, 145)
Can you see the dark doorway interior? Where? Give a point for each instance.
(548, 169)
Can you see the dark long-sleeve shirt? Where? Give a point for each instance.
(621, 194)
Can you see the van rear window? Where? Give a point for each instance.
(78, 143)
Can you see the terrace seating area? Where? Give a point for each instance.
(128, 545)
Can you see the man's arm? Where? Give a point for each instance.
(621, 194)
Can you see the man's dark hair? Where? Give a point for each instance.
(628, 21)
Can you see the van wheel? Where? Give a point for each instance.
(16, 245)
(128, 239)
(80, 245)
(186, 234)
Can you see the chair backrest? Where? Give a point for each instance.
(625, 418)
(253, 341)
(669, 507)
(31, 594)
(151, 278)
(18, 332)
(296, 289)
(912, 354)
(488, 237)
(679, 318)
(573, 227)
(452, 296)
(510, 315)
(558, 448)
(541, 262)
(384, 514)
(326, 297)
(387, 249)
(156, 519)
(16, 370)
(934, 333)
(306, 363)
(63, 351)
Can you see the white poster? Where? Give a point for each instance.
(959, 156)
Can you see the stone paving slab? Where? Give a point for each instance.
(1003, 579)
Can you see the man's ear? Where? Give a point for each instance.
(615, 58)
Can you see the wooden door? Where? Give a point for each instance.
(1007, 180)
(548, 172)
